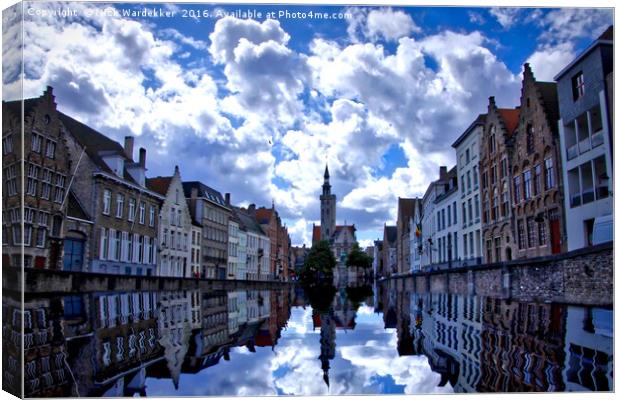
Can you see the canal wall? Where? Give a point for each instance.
(583, 276)
(39, 281)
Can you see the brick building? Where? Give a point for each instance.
(535, 164)
(280, 242)
(111, 188)
(497, 216)
(46, 171)
(208, 208)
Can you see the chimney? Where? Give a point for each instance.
(252, 209)
(443, 172)
(492, 102)
(129, 147)
(227, 199)
(527, 71)
(142, 157)
(176, 170)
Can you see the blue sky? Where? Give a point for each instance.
(256, 107)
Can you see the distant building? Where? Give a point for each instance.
(447, 221)
(405, 212)
(196, 249)
(234, 234)
(341, 238)
(279, 240)
(586, 138)
(389, 251)
(258, 248)
(208, 208)
(416, 242)
(377, 258)
(467, 148)
(430, 223)
(497, 213)
(175, 225)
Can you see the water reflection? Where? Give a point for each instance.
(304, 341)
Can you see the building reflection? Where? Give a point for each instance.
(492, 345)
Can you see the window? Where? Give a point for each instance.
(475, 173)
(469, 208)
(491, 143)
(107, 198)
(495, 210)
(505, 201)
(531, 232)
(477, 206)
(31, 184)
(117, 245)
(578, 86)
(28, 215)
(542, 233)
(489, 251)
(103, 245)
(464, 214)
(36, 143)
(164, 240)
(10, 177)
(132, 210)
(454, 211)
(529, 138)
(140, 249)
(179, 218)
(142, 212)
(498, 249)
(520, 234)
(120, 202)
(527, 184)
(493, 174)
(59, 191)
(27, 234)
(46, 184)
(485, 211)
(537, 179)
(517, 188)
(549, 173)
(484, 180)
(467, 156)
(152, 216)
(50, 149)
(7, 144)
(172, 216)
(504, 168)
(43, 218)
(449, 215)
(468, 180)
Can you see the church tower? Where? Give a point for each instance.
(328, 208)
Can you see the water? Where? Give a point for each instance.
(357, 340)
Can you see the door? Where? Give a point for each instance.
(74, 255)
(555, 236)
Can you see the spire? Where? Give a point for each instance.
(326, 175)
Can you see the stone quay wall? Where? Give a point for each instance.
(583, 276)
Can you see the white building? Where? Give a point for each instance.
(242, 254)
(447, 222)
(175, 226)
(416, 243)
(257, 246)
(467, 148)
(233, 247)
(196, 233)
(585, 90)
(430, 249)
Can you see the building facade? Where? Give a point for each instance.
(447, 227)
(586, 137)
(45, 178)
(389, 251)
(175, 226)
(495, 178)
(467, 148)
(535, 165)
(111, 187)
(258, 246)
(416, 245)
(430, 247)
(403, 234)
(209, 209)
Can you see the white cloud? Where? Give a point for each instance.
(476, 18)
(506, 16)
(548, 61)
(566, 24)
(377, 24)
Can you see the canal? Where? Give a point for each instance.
(377, 338)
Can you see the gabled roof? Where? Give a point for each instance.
(549, 93)
(15, 106)
(480, 120)
(510, 117)
(390, 234)
(205, 192)
(75, 209)
(406, 207)
(159, 184)
(350, 228)
(248, 222)
(263, 215)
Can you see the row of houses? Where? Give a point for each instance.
(529, 181)
(88, 205)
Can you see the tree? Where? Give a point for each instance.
(357, 258)
(320, 260)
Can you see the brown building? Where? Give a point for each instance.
(389, 251)
(406, 209)
(45, 176)
(535, 166)
(208, 208)
(495, 146)
(110, 187)
(280, 241)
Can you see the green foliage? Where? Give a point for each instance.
(320, 295)
(320, 260)
(358, 258)
(357, 295)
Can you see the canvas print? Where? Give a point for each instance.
(203, 199)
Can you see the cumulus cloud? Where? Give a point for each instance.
(548, 61)
(566, 24)
(506, 16)
(379, 24)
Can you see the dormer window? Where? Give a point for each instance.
(578, 85)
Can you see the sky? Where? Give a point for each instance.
(257, 106)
